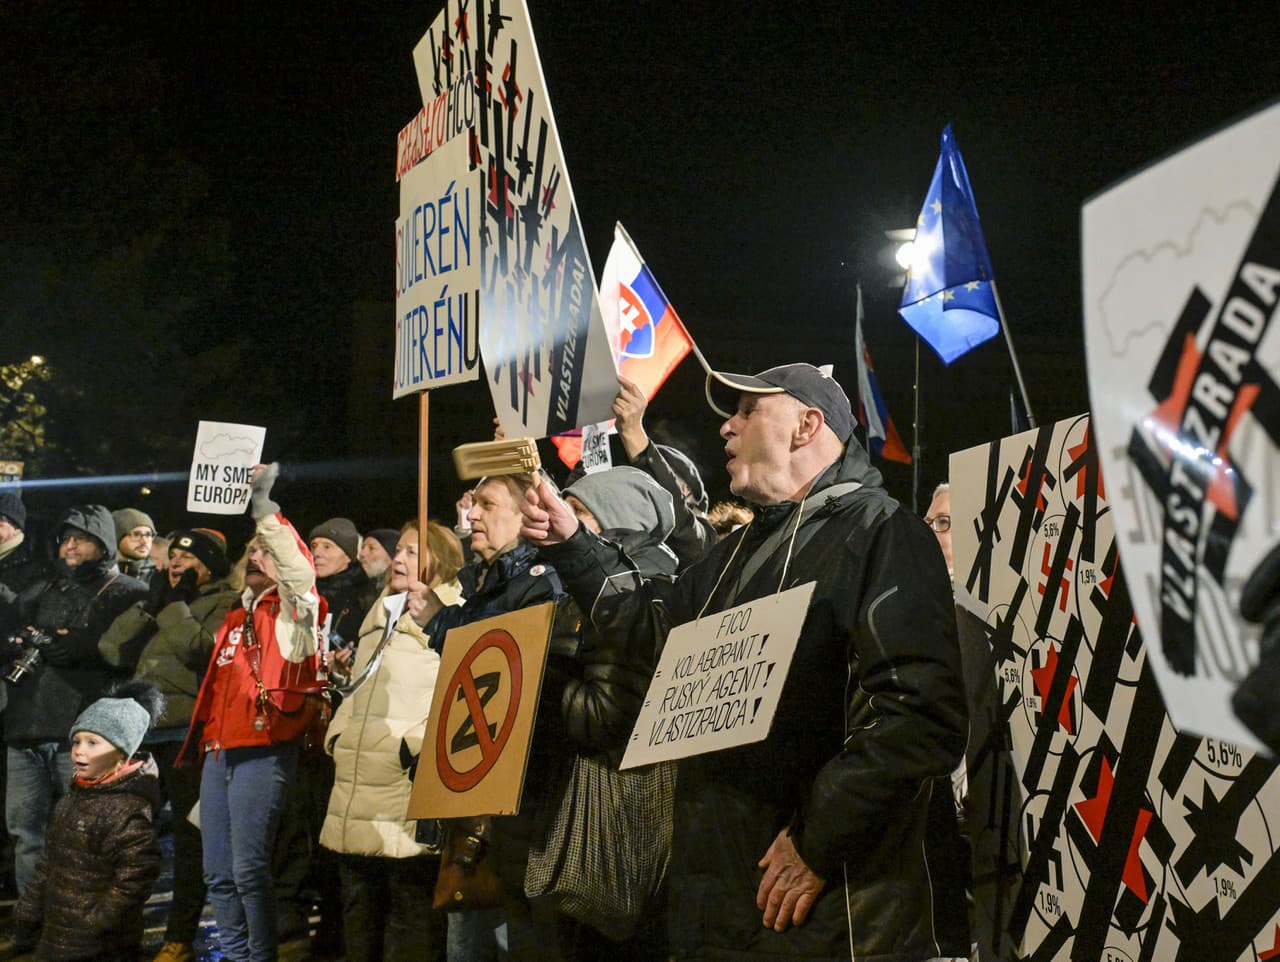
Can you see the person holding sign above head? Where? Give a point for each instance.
(256, 703)
(807, 843)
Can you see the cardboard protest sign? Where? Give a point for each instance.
(476, 743)
(596, 455)
(1098, 830)
(437, 273)
(719, 679)
(546, 353)
(223, 459)
(1181, 286)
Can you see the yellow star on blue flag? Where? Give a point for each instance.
(949, 257)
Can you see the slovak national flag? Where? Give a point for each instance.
(882, 436)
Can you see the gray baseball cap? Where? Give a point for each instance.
(810, 385)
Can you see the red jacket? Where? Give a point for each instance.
(286, 621)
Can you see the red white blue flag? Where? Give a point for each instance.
(646, 335)
(882, 436)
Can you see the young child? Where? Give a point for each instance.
(101, 856)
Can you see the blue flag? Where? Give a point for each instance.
(948, 298)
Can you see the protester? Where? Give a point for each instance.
(388, 876)
(503, 575)
(55, 671)
(101, 856)
(340, 578)
(693, 534)
(938, 518)
(946, 845)
(135, 532)
(832, 804)
(167, 639)
(376, 551)
(306, 875)
(252, 711)
(599, 683)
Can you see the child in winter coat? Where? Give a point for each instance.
(101, 856)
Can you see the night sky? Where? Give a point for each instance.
(756, 152)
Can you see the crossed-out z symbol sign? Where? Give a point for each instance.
(465, 737)
(475, 730)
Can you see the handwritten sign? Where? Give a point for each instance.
(476, 744)
(437, 274)
(719, 680)
(220, 466)
(595, 448)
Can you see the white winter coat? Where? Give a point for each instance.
(371, 788)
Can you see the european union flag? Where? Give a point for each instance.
(949, 299)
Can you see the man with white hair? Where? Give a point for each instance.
(832, 804)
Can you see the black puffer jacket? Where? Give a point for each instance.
(872, 710)
(84, 600)
(100, 859)
(350, 594)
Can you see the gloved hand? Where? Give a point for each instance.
(61, 650)
(1257, 701)
(185, 591)
(260, 503)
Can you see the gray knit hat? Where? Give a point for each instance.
(123, 716)
(342, 532)
(127, 519)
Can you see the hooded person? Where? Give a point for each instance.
(670, 467)
(167, 639)
(56, 670)
(102, 855)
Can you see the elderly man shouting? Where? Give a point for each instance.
(807, 844)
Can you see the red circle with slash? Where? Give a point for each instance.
(464, 681)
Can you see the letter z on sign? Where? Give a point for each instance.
(473, 728)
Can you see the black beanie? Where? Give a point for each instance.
(11, 507)
(387, 537)
(207, 545)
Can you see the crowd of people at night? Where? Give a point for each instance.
(276, 703)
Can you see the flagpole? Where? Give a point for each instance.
(915, 437)
(1017, 371)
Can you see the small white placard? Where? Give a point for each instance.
(220, 466)
(719, 679)
(595, 448)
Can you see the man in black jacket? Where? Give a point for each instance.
(70, 609)
(832, 804)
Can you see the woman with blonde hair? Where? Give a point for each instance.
(388, 876)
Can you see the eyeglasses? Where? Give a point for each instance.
(142, 534)
(940, 523)
(77, 538)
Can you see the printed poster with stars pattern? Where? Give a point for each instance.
(1100, 832)
(1181, 290)
(489, 228)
